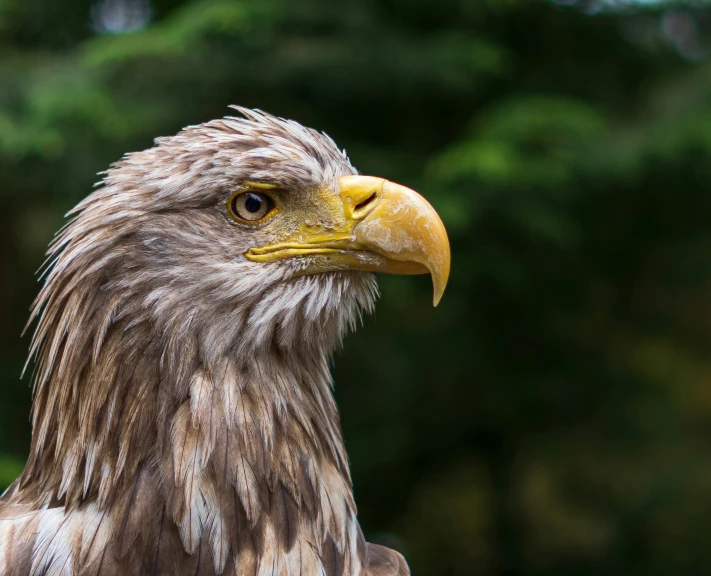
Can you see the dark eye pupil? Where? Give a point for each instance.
(253, 203)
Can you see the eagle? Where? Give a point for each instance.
(183, 416)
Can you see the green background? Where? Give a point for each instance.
(553, 415)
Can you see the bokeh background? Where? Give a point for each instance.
(553, 415)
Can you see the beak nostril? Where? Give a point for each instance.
(365, 203)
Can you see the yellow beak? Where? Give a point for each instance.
(383, 227)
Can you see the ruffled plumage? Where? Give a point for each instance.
(183, 416)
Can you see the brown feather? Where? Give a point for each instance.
(136, 508)
(332, 558)
(386, 562)
(284, 516)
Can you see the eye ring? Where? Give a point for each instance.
(251, 207)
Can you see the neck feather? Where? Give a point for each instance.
(240, 452)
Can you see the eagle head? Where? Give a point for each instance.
(249, 232)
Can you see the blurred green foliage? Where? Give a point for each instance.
(10, 469)
(553, 415)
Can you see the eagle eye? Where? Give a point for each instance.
(251, 207)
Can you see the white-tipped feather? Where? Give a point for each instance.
(52, 551)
